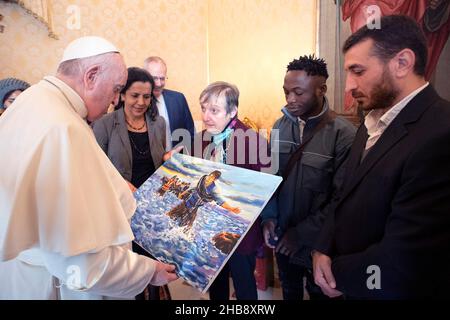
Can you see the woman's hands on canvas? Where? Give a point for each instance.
(170, 153)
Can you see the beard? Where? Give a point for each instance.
(382, 95)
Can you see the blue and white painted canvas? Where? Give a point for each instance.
(193, 213)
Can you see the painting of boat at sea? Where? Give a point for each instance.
(193, 213)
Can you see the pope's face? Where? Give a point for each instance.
(106, 88)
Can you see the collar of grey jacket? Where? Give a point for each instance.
(312, 120)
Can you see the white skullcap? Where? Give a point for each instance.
(87, 47)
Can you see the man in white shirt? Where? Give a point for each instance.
(64, 208)
(389, 236)
(172, 105)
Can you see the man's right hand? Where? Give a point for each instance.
(323, 276)
(269, 232)
(164, 273)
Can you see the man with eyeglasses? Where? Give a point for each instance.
(172, 105)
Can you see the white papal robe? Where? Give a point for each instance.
(64, 208)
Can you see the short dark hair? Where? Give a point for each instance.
(396, 32)
(310, 64)
(140, 75)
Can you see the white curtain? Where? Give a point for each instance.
(40, 10)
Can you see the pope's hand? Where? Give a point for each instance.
(164, 273)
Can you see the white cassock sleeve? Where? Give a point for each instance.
(114, 271)
(61, 197)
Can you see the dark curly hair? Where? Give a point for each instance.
(139, 75)
(310, 64)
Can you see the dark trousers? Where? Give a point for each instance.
(291, 277)
(242, 268)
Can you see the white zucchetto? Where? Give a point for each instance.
(87, 47)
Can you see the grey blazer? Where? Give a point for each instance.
(112, 135)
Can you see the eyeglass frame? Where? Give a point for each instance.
(160, 78)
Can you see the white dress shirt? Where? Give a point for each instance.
(162, 109)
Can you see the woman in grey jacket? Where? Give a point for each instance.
(133, 136)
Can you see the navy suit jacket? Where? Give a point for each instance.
(179, 114)
(392, 218)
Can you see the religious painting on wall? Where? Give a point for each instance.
(193, 213)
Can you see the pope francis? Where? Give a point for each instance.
(64, 209)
